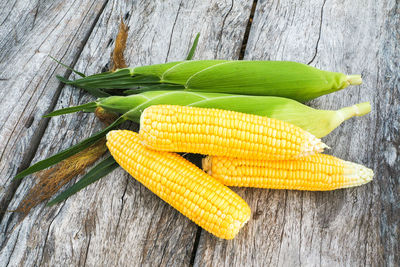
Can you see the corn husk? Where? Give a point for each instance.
(318, 122)
(263, 78)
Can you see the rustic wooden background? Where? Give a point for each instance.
(116, 221)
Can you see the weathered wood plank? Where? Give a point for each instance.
(353, 227)
(117, 221)
(29, 31)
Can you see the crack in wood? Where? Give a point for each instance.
(122, 203)
(36, 9)
(247, 31)
(87, 250)
(319, 34)
(195, 246)
(172, 31)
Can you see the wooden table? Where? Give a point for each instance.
(117, 221)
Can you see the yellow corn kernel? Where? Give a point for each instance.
(318, 172)
(224, 133)
(181, 184)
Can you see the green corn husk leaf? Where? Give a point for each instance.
(93, 91)
(277, 78)
(318, 122)
(193, 48)
(267, 78)
(119, 79)
(89, 107)
(67, 67)
(100, 170)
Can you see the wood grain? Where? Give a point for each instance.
(353, 227)
(29, 32)
(117, 221)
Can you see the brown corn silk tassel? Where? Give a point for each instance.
(52, 179)
(118, 60)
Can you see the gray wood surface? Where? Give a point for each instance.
(116, 221)
(29, 31)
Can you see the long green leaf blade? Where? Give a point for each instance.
(89, 107)
(120, 79)
(194, 46)
(41, 165)
(93, 91)
(98, 172)
(68, 67)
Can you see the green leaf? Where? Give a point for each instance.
(89, 107)
(120, 79)
(193, 49)
(41, 165)
(62, 79)
(93, 91)
(98, 172)
(68, 67)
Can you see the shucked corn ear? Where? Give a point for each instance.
(318, 172)
(314, 121)
(269, 78)
(192, 192)
(223, 133)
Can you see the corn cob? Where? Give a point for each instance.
(223, 133)
(269, 78)
(318, 172)
(192, 192)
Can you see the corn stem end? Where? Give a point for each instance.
(354, 79)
